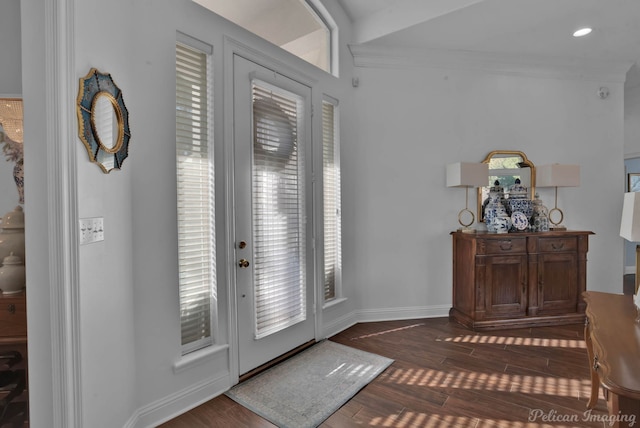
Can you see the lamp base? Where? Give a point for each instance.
(466, 229)
(558, 228)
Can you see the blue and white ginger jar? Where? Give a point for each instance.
(495, 214)
(540, 217)
(519, 199)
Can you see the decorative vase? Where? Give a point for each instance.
(519, 199)
(491, 211)
(18, 177)
(495, 214)
(12, 234)
(12, 275)
(502, 222)
(540, 216)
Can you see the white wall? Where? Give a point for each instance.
(10, 53)
(10, 85)
(631, 146)
(397, 214)
(107, 307)
(632, 113)
(412, 121)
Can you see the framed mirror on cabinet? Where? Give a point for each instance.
(506, 166)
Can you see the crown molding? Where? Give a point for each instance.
(507, 64)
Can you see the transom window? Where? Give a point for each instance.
(294, 25)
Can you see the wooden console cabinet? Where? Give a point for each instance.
(519, 279)
(14, 395)
(612, 335)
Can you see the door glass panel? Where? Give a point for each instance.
(278, 210)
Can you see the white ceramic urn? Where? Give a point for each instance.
(12, 234)
(12, 275)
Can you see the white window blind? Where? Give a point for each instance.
(196, 250)
(278, 216)
(332, 206)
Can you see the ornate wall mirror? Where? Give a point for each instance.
(103, 120)
(506, 166)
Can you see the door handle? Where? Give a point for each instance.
(243, 263)
(506, 245)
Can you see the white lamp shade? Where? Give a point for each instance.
(467, 174)
(557, 175)
(630, 224)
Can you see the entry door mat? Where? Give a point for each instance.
(306, 389)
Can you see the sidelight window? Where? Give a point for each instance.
(332, 205)
(194, 162)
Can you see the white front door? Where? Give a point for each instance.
(274, 277)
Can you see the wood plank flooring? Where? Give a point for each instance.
(447, 376)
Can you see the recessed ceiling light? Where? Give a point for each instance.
(582, 32)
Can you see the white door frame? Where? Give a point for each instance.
(231, 48)
(48, 28)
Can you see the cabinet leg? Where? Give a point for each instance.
(595, 380)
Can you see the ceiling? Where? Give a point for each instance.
(521, 29)
(538, 28)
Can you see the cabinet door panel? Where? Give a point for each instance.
(505, 286)
(557, 282)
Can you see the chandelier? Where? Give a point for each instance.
(11, 118)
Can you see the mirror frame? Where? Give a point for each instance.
(525, 161)
(120, 121)
(93, 86)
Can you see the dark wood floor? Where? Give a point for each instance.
(447, 376)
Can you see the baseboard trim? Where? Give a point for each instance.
(391, 314)
(339, 324)
(176, 404)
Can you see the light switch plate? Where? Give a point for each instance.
(91, 230)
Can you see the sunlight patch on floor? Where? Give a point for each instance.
(423, 420)
(392, 330)
(502, 382)
(436, 420)
(518, 341)
(535, 418)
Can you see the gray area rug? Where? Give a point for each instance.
(306, 389)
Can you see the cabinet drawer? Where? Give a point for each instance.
(13, 316)
(506, 246)
(550, 245)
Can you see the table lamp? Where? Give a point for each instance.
(467, 174)
(630, 230)
(557, 175)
